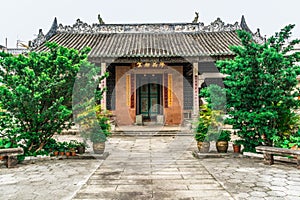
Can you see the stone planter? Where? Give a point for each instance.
(203, 147)
(99, 147)
(222, 146)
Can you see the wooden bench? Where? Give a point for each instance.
(10, 155)
(270, 151)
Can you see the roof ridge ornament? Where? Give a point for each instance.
(218, 25)
(256, 36)
(80, 28)
(41, 38)
(52, 30)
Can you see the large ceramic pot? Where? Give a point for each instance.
(222, 146)
(203, 147)
(99, 147)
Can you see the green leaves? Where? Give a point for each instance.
(261, 87)
(37, 93)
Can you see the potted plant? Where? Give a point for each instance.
(237, 146)
(55, 151)
(202, 144)
(98, 139)
(80, 146)
(96, 129)
(202, 125)
(50, 146)
(72, 147)
(68, 147)
(100, 133)
(61, 148)
(222, 141)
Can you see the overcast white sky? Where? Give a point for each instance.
(21, 19)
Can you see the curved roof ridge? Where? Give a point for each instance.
(81, 27)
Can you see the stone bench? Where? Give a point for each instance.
(10, 155)
(269, 153)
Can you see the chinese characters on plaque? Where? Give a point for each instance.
(148, 65)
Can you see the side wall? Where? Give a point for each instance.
(174, 114)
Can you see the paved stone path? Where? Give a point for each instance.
(59, 179)
(163, 168)
(251, 179)
(151, 168)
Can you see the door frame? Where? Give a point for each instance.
(160, 102)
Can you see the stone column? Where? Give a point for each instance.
(103, 85)
(196, 90)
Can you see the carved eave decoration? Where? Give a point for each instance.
(80, 27)
(83, 28)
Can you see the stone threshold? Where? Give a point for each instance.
(151, 133)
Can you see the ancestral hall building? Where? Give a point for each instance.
(155, 70)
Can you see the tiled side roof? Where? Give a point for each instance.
(150, 44)
(17, 51)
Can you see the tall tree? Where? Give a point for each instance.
(262, 87)
(37, 91)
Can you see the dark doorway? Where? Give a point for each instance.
(149, 95)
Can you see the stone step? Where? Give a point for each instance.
(152, 133)
(70, 132)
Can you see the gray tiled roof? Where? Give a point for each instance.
(150, 44)
(147, 40)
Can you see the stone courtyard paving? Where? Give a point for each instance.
(151, 168)
(251, 179)
(163, 168)
(53, 179)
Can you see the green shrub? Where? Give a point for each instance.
(225, 135)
